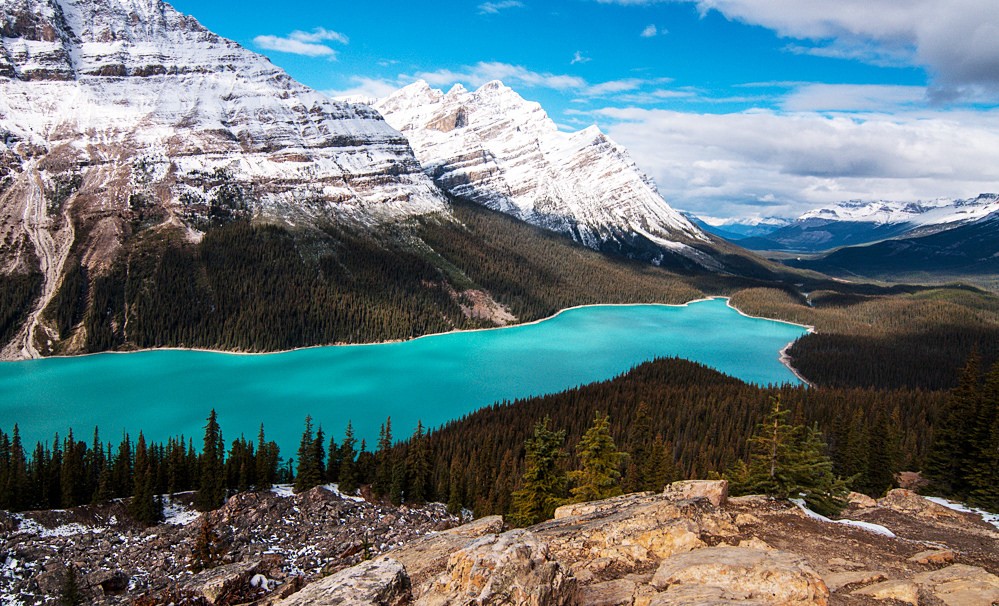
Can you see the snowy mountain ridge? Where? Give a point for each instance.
(940, 211)
(118, 116)
(495, 148)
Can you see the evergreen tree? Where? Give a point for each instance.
(143, 506)
(543, 483)
(333, 461)
(787, 461)
(658, 470)
(348, 472)
(70, 594)
(953, 450)
(16, 491)
(383, 460)
(211, 483)
(266, 462)
(599, 475)
(418, 464)
(984, 480)
(640, 439)
(307, 473)
(207, 551)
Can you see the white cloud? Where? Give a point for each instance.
(853, 97)
(365, 89)
(308, 44)
(732, 164)
(956, 40)
(579, 58)
(491, 8)
(650, 31)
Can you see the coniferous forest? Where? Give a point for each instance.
(665, 420)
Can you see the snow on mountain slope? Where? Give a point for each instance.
(493, 147)
(933, 212)
(118, 114)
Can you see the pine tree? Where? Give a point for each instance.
(953, 450)
(307, 473)
(418, 464)
(16, 490)
(266, 464)
(543, 483)
(143, 506)
(454, 498)
(383, 460)
(658, 470)
(788, 461)
(206, 552)
(599, 475)
(211, 483)
(984, 480)
(348, 471)
(640, 439)
(70, 594)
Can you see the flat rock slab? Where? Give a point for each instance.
(379, 582)
(772, 576)
(838, 580)
(961, 585)
(933, 556)
(900, 590)
(715, 491)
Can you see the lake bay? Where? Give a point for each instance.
(434, 379)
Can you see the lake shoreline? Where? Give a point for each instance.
(783, 355)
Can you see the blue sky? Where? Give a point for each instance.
(735, 107)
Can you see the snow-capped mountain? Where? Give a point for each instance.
(123, 113)
(862, 222)
(495, 148)
(921, 213)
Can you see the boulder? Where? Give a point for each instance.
(933, 556)
(715, 491)
(908, 502)
(961, 585)
(773, 576)
(838, 580)
(860, 500)
(618, 592)
(899, 590)
(216, 584)
(513, 568)
(701, 595)
(379, 582)
(426, 557)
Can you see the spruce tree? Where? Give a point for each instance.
(211, 483)
(640, 439)
(418, 464)
(266, 464)
(207, 552)
(953, 450)
(143, 506)
(984, 480)
(307, 473)
(658, 470)
(543, 483)
(348, 470)
(383, 460)
(599, 476)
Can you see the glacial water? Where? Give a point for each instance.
(435, 379)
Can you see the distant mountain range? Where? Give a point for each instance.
(856, 223)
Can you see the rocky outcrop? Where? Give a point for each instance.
(715, 491)
(512, 568)
(908, 502)
(492, 147)
(741, 574)
(380, 582)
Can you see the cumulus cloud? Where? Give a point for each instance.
(491, 8)
(650, 31)
(579, 58)
(731, 164)
(956, 40)
(309, 44)
(853, 97)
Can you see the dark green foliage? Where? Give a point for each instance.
(308, 473)
(68, 305)
(788, 461)
(211, 480)
(17, 293)
(384, 461)
(144, 507)
(599, 475)
(418, 467)
(349, 480)
(543, 483)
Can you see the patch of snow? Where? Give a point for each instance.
(283, 490)
(178, 515)
(335, 489)
(29, 526)
(987, 516)
(868, 526)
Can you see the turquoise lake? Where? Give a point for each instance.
(436, 379)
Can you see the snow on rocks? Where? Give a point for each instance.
(493, 147)
(868, 526)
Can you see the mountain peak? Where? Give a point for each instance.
(496, 148)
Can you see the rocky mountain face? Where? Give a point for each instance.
(690, 544)
(123, 117)
(494, 148)
(860, 222)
